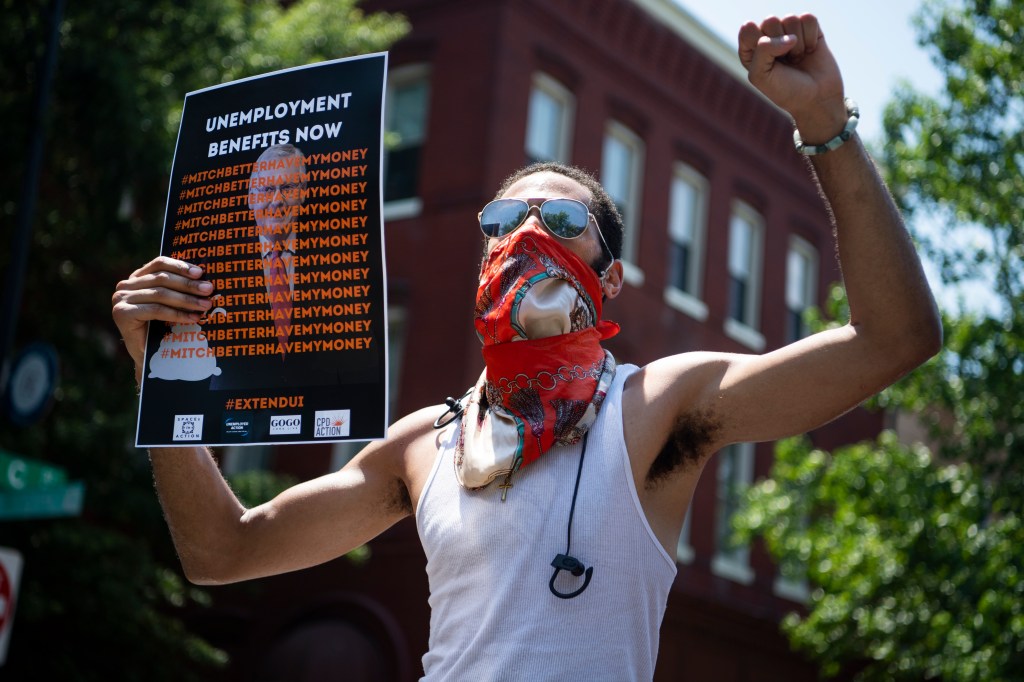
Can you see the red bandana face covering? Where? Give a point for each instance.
(538, 313)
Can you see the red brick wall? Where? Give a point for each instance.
(619, 63)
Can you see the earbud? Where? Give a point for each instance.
(455, 409)
(563, 562)
(568, 563)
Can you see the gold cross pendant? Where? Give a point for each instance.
(505, 486)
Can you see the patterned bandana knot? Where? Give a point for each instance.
(538, 314)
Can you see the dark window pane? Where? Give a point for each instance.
(402, 173)
(795, 327)
(738, 300)
(679, 267)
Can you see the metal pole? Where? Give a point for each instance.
(22, 237)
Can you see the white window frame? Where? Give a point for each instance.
(801, 248)
(409, 207)
(632, 201)
(689, 302)
(545, 85)
(746, 331)
(732, 563)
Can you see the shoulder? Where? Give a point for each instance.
(676, 385)
(407, 437)
(681, 371)
(409, 451)
(669, 412)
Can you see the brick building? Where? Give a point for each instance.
(727, 242)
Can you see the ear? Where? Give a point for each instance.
(611, 285)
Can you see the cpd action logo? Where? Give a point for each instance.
(331, 424)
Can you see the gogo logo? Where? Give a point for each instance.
(285, 424)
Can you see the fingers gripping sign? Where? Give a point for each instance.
(163, 289)
(789, 61)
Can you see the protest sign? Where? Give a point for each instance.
(276, 193)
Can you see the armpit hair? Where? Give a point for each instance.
(398, 499)
(685, 444)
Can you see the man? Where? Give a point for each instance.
(556, 443)
(277, 188)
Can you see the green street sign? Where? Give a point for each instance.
(32, 489)
(25, 473)
(39, 503)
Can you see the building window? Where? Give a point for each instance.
(684, 550)
(549, 121)
(621, 165)
(687, 225)
(746, 233)
(801, 276)
(405, 117)
(791, 580)
(735, 473)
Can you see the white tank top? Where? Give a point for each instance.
(493, 616)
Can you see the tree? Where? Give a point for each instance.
(99, 593)
(960, 157)
(914, 577)
(915, 553)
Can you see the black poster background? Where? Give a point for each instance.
(334, 386)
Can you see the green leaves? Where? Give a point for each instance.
(916, 553)
(112, 606)
(266, 36)
(961, 154)
(107, 586)
(912, 572)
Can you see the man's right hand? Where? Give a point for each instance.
(163, 289)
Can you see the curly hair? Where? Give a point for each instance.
(605, 212)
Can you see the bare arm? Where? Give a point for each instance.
(893, 325)
(220, 541)
(217, 538)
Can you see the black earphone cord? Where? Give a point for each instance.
(561, 562)
(565, 562)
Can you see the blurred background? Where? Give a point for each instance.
(886, 545)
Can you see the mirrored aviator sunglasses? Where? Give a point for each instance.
(566, 218)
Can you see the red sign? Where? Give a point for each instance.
(10, 575)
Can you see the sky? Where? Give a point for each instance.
(876, 47)
(874, 52)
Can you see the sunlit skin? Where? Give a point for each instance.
(710, 399)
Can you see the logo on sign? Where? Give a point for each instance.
(188, 427)
(237, 425)
(331, 424)
(283, 424)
